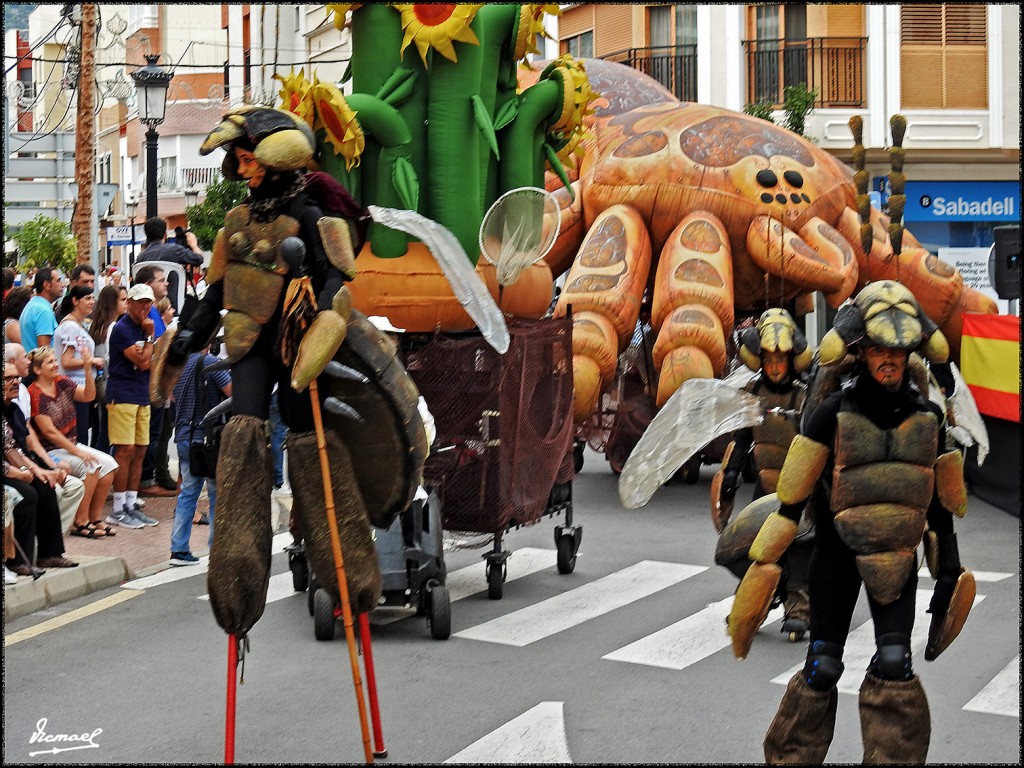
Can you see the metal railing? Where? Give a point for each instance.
(832, 66)
(674, 66)
(179, 179)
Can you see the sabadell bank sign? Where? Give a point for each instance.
(962, 201)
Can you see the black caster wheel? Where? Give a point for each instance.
(495, 580)
(577, 456)
(312, 587)
(440, 612)
(300, 571)
(323, 615)
(566, 554)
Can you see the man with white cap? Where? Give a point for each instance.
(127, 397)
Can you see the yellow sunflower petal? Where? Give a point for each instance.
(340, 10)
(437, 25)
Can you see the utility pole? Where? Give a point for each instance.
(84, 221)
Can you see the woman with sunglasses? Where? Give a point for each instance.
(53, 411)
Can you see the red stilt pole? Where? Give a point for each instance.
(229, 725)
(371, 685)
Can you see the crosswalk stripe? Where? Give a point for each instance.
(1002, 694)
(576, 606)
(860, 646)
(986, 576)
(686, 642)
(536, 736)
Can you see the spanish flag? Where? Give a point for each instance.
(990, 362)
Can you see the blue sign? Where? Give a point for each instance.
(962, 201)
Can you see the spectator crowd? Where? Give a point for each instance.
(82, 444)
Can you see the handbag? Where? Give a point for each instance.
(202, 454)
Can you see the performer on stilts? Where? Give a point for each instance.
(871, 461)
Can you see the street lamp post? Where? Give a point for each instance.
(130, 205)
(151, 82)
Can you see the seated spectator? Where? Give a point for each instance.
(53, 412)
(166, 310)
(36, 485)
(195, 393)
(19, 414)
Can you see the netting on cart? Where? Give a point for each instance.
(504, 423)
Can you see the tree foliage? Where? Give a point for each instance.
(45, 241)
(207, 218)
(797, 104)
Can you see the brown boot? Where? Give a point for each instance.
(803, 726)
(797, 616)
(240, 556)
(362, 572)
(894, 721)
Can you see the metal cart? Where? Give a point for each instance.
(504, 453)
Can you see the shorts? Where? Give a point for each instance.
(127, 424)
(104, 461)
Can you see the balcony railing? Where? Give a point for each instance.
(173, 179)
(832, 66)
(675, 67)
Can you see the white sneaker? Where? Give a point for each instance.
(10, 577)
(284, 490)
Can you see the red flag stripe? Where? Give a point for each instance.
(992, 402)
(1003, 327)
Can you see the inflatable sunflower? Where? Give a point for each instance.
(339, 10)
(531, 24)
(296, 96)
(437, 25)
(338, 120)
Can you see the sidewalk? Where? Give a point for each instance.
(109, 561)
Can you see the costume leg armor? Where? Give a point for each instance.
(894, 721)
(240, 556)
(802, 729)
(362, 571)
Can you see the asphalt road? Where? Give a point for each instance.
(624, 660)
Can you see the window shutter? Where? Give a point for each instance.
(944, 56)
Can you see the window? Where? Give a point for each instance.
(167, 174)
(780, 53)
(943, 56)
(581, 46)
(672, 33)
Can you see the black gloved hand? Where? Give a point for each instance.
(942, 594)
(181, 347)
(730, 484)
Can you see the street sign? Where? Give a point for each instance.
(123, 235)
(104, 195)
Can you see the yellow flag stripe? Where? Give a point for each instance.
(991, 363)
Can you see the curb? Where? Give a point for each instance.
(58, 585)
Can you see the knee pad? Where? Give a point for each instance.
(892, 659)
(824, 665)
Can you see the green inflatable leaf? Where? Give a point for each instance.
(559, 169)
(398, 87)
(403, 176)
(483, 122)
(506, 114)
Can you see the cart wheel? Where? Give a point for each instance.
(566, 554)
(323, 615)
(577, 456)
(300, 571)
(691, 470)
(313, 586)
(440, 612)
(495, 581)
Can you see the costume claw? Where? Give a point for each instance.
(338, 408)
(218, 410)
(339, 371)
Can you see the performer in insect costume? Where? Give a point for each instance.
(871, 462)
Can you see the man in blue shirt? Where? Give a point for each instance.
(38, 321)
(131, 353)
(156, 477)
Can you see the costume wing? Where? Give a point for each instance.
(466, 284)
(967, 427)
(696, 413)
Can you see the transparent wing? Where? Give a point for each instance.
(518, 230)
(467, 286)
(696, 413)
